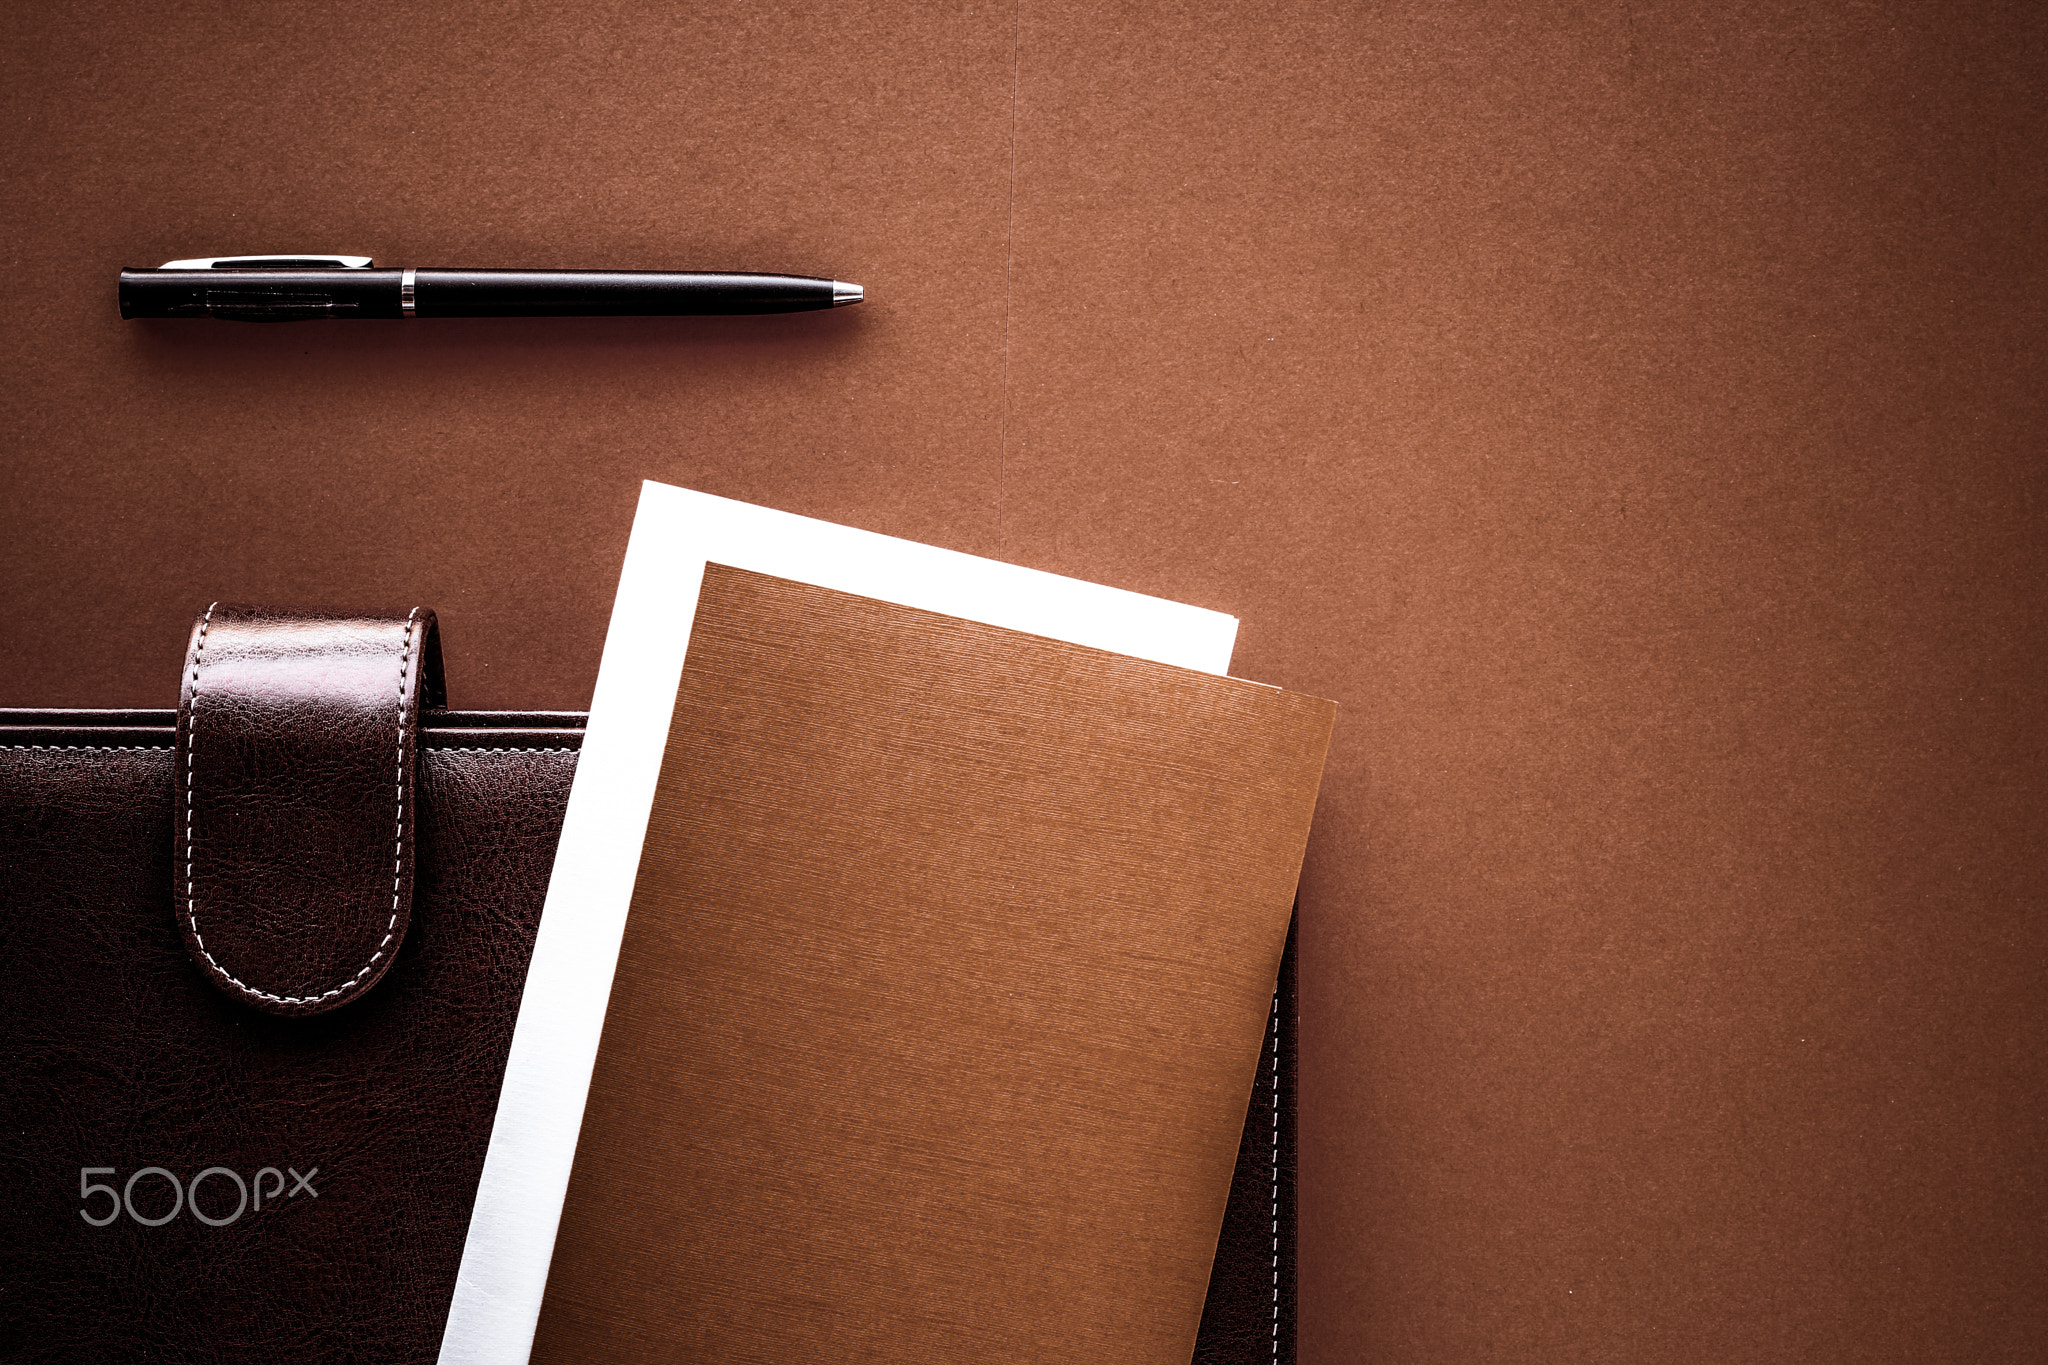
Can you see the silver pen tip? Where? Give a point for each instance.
(844, 293)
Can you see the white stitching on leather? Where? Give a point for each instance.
(427, 744)
(191, 755)
(94, 748)
(398, 854)
(1276, 1176)
(496, 749)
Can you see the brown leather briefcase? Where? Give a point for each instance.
(262, 958)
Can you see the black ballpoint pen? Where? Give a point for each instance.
(313, 286)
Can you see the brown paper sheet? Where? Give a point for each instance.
(947, 972)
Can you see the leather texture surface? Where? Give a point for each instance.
(294, 803)
(120, 1053)
(948, 972)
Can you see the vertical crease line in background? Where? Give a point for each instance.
(1009, 261)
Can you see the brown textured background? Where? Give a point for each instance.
(1633, 418)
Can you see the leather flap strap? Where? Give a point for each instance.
(297, 734)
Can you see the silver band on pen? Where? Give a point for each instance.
(406, 301)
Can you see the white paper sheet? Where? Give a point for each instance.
(554, 1046)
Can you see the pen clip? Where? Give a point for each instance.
(294, 261)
